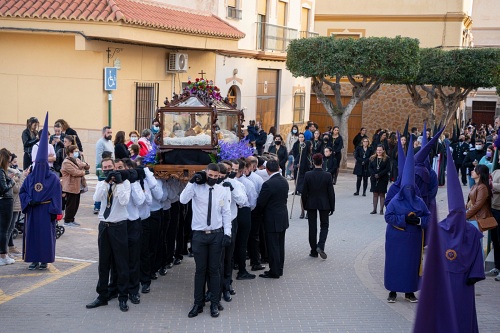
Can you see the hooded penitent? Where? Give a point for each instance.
(435, 311)
(404, 241)
(41, 201)
(461, 248)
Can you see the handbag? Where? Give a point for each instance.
(83, 160)
(487, 223)
(83, 185)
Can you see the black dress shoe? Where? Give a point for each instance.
(145, 288)
(135, 298)
(170, 265)
(356, 193)
(163, 271)
(226, 295)
(96, 303)
(214, 310)
(245, 276)
(112, 296)
(195, 310)
(301, 215)
(231, 291)
(190, 255)
(258, 267)
(123, 305)
(322, 253)
(154, 276)
(220, 307)
(269, 275)
(177, 261)
(373, 212)
(314, 255)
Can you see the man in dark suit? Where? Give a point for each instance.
(272, 204)
(318, 195)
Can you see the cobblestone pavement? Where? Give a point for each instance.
(344, 293)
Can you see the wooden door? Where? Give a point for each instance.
(319, 115)
(267, 98)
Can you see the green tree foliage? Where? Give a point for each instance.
(365, 62)
(450, 76)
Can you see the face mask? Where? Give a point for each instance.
(109, 137)
(325, 140)
(133, 139)
(479, 147)
(294, 131)
(220, 180)
(277, 143)
(488, 154)
(461, 140)
(107, 172)
(76, 154)
(232, 174)
(156, 128)
(211, 181)
(14, 166)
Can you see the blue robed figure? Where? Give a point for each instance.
(41, 201)
(406, 216)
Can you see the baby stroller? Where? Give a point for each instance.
(19, 227)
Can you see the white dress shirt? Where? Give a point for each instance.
(165, 200)
(220, 213)
(262, 173)
(137, 198)
(250, 191)
(238, 196)
(257, 181)
(145, 208)
(121, 198)
(50, 151)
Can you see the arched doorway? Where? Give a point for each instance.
(234, 96)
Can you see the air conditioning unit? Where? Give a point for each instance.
(177, 62)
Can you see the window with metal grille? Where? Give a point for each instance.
(234, 9)
(146, 103)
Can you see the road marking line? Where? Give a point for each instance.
(5, 298)
(20, 275)
(67, 259)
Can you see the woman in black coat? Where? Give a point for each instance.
(280, 150)
(121, 150)
(30, 138)
(329, 162)
(337, 145)
(362, 155)
(379, 168)
(301, 152)
(316, 143)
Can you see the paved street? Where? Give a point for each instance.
(344, 293)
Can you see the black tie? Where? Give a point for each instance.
(209, 216)
(109, 202)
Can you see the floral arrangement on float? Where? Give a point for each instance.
(204, 88)
(231, 151)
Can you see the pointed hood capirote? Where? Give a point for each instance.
(405, 131)
(401, 158)
(422, 156)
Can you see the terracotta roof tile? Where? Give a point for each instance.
(134, 12)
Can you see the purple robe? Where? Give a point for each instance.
(43, 189)
(403, 244)
(465, 267)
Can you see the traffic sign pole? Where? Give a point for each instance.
(110, 99)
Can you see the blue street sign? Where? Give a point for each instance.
(110, 78)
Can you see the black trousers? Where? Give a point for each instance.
(463, 172)
(324, 223)
(112, 242)
(149, 244)
(276, 249)
(172, 231)
(207, 250)
(161, 251)
(495, 238)
(253, 239)
(72, 204)
(358, 183)
(244, 225)
(228, 252)
(26, 161)
(183, 230)
(134, 230)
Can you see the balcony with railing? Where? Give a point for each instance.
(308, 34)
(271, 37)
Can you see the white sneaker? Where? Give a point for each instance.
(3, 262)
(76, 223)
(10, 261)
(6, 261)
(497, 277)
(492, 272)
